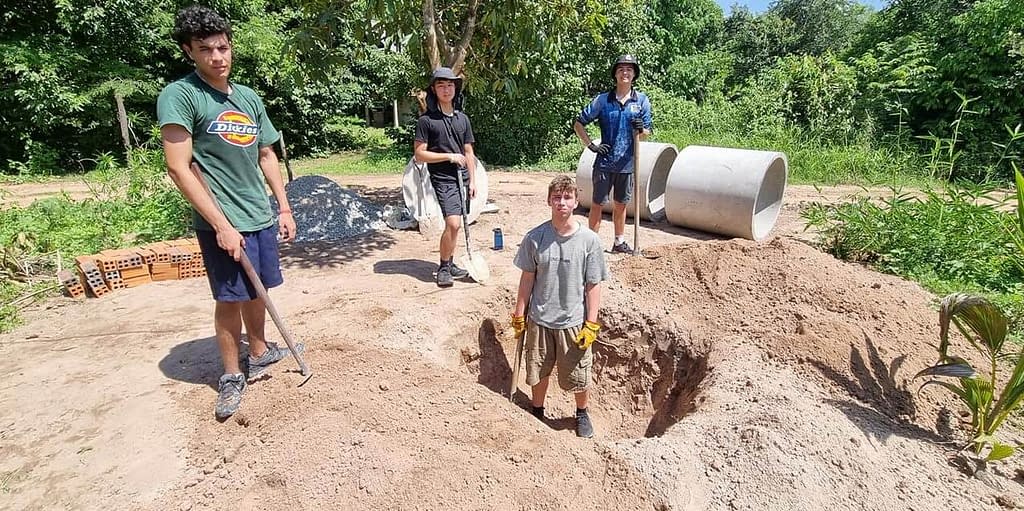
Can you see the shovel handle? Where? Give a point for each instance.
(261, 291)
(636, 192)
(462, 204)
(520, 341)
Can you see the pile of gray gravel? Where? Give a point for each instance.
(325, 211)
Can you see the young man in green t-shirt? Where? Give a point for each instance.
(219, 128)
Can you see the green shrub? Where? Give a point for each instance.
(955, 235)
(352, 133)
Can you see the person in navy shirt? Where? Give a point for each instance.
(619, 112)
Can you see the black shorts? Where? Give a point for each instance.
(606, 182)
(446, 190)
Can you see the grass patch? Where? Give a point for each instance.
(954, 239)
(389, 160)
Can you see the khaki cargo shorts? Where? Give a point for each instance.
(546, 348)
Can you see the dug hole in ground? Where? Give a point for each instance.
(729, 375)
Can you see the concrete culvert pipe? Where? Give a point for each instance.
(734, 192)
(655, 164)
(419, 196)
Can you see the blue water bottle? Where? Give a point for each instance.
(499, 239)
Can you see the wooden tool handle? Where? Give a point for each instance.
(636, 192)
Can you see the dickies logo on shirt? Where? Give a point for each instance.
(236, 128)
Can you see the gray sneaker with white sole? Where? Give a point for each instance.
(259, 367)
(230, 388)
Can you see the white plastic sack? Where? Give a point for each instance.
(419, 194)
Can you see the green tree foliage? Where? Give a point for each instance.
(61, 62)
(822, 26)
(891, 73)
(756, 42)
(699, 76)
(920, 55)
(684, 28)
(818, 93)
(830, 69)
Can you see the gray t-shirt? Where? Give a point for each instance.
(563, 266)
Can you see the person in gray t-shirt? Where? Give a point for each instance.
(563, 267)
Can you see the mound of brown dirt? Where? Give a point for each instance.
(785, 378)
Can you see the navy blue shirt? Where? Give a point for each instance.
(613, 118)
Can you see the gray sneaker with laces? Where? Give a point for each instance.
(584, 429)
(444, 277)
(456, 272)
(260, 367)
(229, 395)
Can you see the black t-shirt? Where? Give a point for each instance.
(444, 134)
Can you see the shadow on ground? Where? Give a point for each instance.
(416, 268)
(196, 361)
(881, 408)
(496, 374)
(663, 226)
(333, 254)
(381, 196)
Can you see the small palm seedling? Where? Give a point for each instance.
(983, 325)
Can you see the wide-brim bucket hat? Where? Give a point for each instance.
(445, 73)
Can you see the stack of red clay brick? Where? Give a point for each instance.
(111, 270)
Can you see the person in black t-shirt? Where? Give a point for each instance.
(444, 140)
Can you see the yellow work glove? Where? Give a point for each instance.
(587, 335)
(518, 325)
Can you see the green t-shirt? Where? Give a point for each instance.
(227, 132)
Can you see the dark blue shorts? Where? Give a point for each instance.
(228, 281)
(605, 182)
(446, 190)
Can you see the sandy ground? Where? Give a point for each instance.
(730, 375)
(24, 194)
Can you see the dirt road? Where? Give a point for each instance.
(730, 375)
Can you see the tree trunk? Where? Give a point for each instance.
(122, 119)
(439, 52)
(429, 28)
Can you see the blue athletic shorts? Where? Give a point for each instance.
(228, 281)
(446, 190)
(605, 182)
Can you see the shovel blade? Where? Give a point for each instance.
(477, 267)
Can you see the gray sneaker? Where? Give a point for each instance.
(456, 272)
(584, 429)
(444, 277)
(259, 367)
(229, 395)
